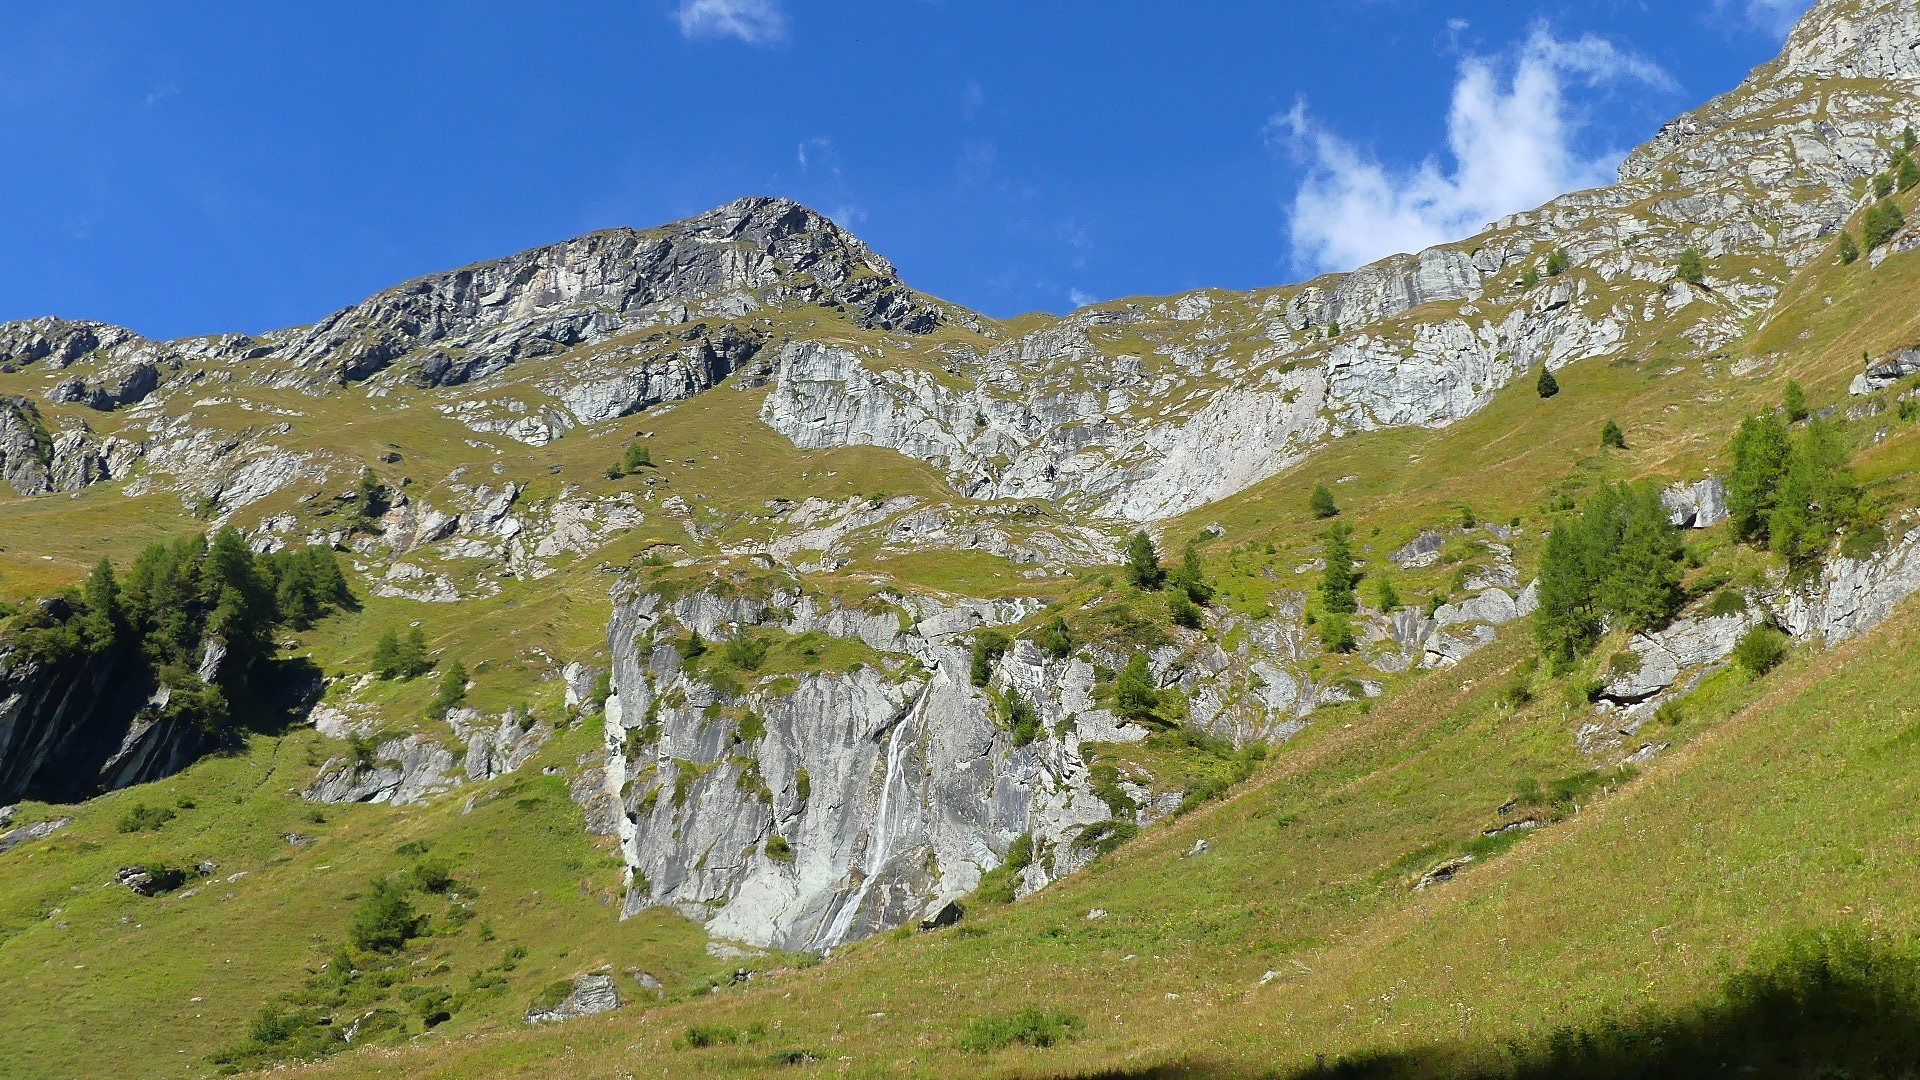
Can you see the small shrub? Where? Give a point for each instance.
(1559, 262)
(383, 920)
(988, 647)
(1849, 249)
(1336, 633)
(1691, 268)
(1055, 638)
(1727, 601)
(1760, 650)
(1321, 502)
(1546, 386)
(779, 848)
(431, 876)
(1882, 222)
(1029, 1025)
(997, 885)
(745, 653)
(1182, 610)
(1611, 435)
(143, 818)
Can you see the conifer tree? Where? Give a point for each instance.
(1321, 502)
(1547, 385)
(1143, 562)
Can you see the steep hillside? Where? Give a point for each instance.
(710, 603)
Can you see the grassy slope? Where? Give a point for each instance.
(1311, 866)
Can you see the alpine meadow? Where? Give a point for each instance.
(691, 650)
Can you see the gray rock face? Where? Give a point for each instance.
(1889, 369)
(1699, 505)
(467, 324)
(116, 366)
(850, 801)
(27, 834)
(592, 994)
(72, 730)
(1854, 595)
(26, 447)
(412, 769)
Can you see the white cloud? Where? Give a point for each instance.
(818, 151)
(1772, 17)
(756, 22)
(972, 97)
(1080, 299)
(1511, 145)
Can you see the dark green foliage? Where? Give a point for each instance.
(1337, 576)
(1321, 502)
(779, 848)
(636, 458)
(1385, 596)
(1183, 611)
(1546, 386)
(1908, 140)
(744, 652)
(988, 647)
(103, 618)
(1102, 837)
(453, 689)
(1143, 562)
(1055, 638)
(1882, 187)
(1558, 262)
(1728, 601)
(1529, 278)
(1618, 559)
(141, 818)
(370, 499)
(997, 886)
(1905, 173)
(1793, 399)
(384, 919)
(1134, 695)
(1611, 435)
(1849, 249)
(693, 647)
(1022, 719)
(1031, 1025)
(1761, 450)
(432, 876)
(1190, 577)
(702, 1035)
(173, 601)
(1817, 498)
(1336, 632)
(401, 656)
(1882, 221)
(1760, 649)
(1691, 268)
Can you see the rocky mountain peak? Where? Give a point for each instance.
(751, 255)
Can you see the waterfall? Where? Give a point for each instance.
(881, 840)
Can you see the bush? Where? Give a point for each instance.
(1321, 502)
(1558, 262)
(432, 876)
(988, 647)
(1337, 576)
(1691, 268)
(1727, 601)
(141, 818)
(1134, 695)
(1793, 399)
(1055, 638)
(779, 848)
(384, 919)
(1611, 435)
(1849, 249)
(745, 653)
(1760, 650)
(1183, 611)
(1882, 222)
(1030, 1025)
(1336, 633)
(453, 689)
(997, 886)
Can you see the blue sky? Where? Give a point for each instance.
(244, 165)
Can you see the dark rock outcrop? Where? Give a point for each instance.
(75, 728)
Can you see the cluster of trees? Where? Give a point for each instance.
(401, 656)
(1186, 584)
(1617, 561)
(636, 458)
(175, 598)
(1793, 493)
